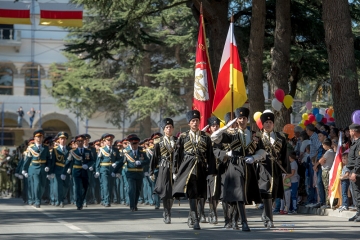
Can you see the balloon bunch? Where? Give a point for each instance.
(281, 98)
(289, 129)
(257, 119)
(355, 117)
(315, 115)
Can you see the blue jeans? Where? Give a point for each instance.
(19, 121)
(344, 190)
(310, 190)
(31, 122)
(320, 186)
(277, 204)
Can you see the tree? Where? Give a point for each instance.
(340, 47)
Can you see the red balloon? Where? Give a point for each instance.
(324, 120)
(307, 122)
(311, 118)
(280, 94)
(331, 119)
(259, 124)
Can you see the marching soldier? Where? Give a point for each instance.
(37, 165)
(48, 195)
(271, 168)
(78, 162)
(161, 167)
(107, 159)
(240, 183)
(135, 157)
(59, 156)
(4, 178)
(90, 195)
(193, 161)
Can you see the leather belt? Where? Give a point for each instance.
(38, 161)
(60, 164)
(106, 164)
(77, 166)
(135, 169)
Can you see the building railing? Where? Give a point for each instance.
(10, 34)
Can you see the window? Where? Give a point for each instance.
(9, 139)
(6, 81)
(6, 31)
(31, 81)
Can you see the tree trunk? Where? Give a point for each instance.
(255, 58)
(217, 25)
(340, 47)
(279, 73)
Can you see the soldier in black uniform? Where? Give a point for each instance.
(240, 183)
(271, 168)
(161, 166)
(354, 166)
(193, 161)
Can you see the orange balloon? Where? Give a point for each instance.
(289, 130)
(330, 112)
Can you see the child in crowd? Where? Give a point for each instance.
(345, 183)
(285, 202)
(294, 178)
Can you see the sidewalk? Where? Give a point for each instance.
(325, 212)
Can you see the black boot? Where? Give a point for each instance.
(356, 216)
(170, 203)
(225, 207)
(234, 216)
(241, 207)
(194, 214)
(201, 210)
(268, 213)
(215, 204)
(166, 212)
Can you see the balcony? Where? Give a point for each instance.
(11, 38)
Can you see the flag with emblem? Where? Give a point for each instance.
(204, 84)
(61, 14)
(334, 188)
(230, 87)
(14, 13)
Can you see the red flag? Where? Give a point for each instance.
(61, 14)
(204, 84)
(334, 188)
(14, 13)
(230, 74)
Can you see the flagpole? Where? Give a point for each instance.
(231, 67)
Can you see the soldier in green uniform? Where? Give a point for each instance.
(90, 195)
(135, 157)
(193, 161)
(4, 178)
(37, 165)
(78, 161)
(59, 156)
(107, 159)
(161, 167)
(49, 196)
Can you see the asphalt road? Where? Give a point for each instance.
(19, 221)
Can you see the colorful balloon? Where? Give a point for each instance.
(355, 117)
(289, 130)
(322, 111)
(302, 125)
(324, 120)
(257, 116)
(280, 94)
(315, 111)
(259, 124)
(330, 112)
(308, 105)
(305, 116)
(319, 117)
(331, 119)
(311, 118)
(307, 122)
(276, 104)
(288, 101)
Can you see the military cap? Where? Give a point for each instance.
(133, 138)
(118, 142)
(166, 121)
(86, 136)
(190, 115)
(213, 121)
(38, 133)
(354, 126)
(62, 135)
(228, 117)
(242, 112)
(48, 140)
(79, 137)
(156, 135)
(107, 136)
(96, 142)
(267, 115)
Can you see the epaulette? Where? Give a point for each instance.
(31, 145)
(231, 131)
(124, 151)
(184, 134)
(157, 140)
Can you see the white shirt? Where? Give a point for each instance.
(272, 136)
(247, 134)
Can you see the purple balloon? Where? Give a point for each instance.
(326, 116)
(355, 117)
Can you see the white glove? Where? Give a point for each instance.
(152, 178)
(118, 175)
(20, 176)
(47, 169)
(97, 174)
(229, 124)
(249, 160)
(113, 165)
(91, 168)
(205, 128)
(16, 175)
(113, 174)
(68, 171)
(23, 172)
(229, 153)
(174, 176)
(146, 174)
(137, 162)
(52, 175)
(84, 166)
(48, 177)
(8, 158)
(26, 175)
(63, 176)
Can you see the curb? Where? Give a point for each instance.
(325, 212)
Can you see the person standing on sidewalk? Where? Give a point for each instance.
(20, 117)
